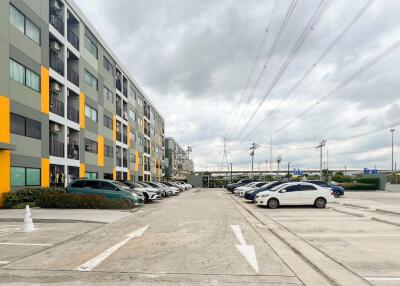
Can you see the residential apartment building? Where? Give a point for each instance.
(178, 165)
(69, 108)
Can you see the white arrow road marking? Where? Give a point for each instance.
(92, 263)
(248, 251)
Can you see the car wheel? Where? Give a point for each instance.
(336, 194)
(272, 203)
(320, 203)
(127, 204)
(146, 198)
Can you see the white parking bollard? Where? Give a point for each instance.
(28, 223)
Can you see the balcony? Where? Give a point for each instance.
(119, 110)
(73, 151)
(57, 106)
(73, 114)
(119, 136)
(56, 148)
(72, 76)
(57, 64)
(57, 22)
(73, 39)
(119, 162)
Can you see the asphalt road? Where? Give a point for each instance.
(208, 237)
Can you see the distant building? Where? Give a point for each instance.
(177, 163)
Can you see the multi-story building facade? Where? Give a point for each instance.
(178, 165)
(69, 108)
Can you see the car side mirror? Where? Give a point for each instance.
(282, 191)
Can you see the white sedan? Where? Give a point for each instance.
(295, 193)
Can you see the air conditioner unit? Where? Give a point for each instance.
(54, 46)
(55, 128)
(55, 5)
(55, 87)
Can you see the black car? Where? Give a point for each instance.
(252, 194)
(231, 187)
(337, 190)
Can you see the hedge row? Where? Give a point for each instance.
(358, 186)
(58, 198)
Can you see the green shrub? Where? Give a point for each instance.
(358, 186)
(342, 178)
(366, 180)
(27, 196)
(75, 201)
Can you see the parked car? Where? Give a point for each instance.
(337, 190)
(251, 194)
(186, 185)
(161, 192)
(148, 193)
(173, 184)
(174, 190)
(244, 189)
(168, 190)
(110, 189)
(231, 187)
(295, 193)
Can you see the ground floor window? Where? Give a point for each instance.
(108, 176)
(21, 176)
(91, 175)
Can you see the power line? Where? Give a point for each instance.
(311, 68)
(263, 41)
(343, 84)
(312, 23)
(272, 48)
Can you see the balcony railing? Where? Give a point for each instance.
(73, 114)
(57, 64)
(73, 39)
(72, 76)
(119, 136)
(56, 148)
(119, 162)
(118, 84)
(57, 106)
(73, 151)
(119, 110)
(56, 22)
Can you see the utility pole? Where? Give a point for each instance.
(322, 144)
(231, 171)
(288, 170)
(270, 152)
(266, 169)
(392, 131)
(188, 150)
(278, 160)
(253, 148)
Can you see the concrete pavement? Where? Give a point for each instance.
(206, 237)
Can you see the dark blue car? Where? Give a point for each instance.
(337, 190)
(252, 194)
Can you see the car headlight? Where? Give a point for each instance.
(264, 195)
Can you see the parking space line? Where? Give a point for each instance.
(382, 278)
(92, 263)
(27, 244)
(4, 262)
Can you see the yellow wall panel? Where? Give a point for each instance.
(4, 119)
(137, 161)
(45, 172)
(82, 170)
(82, 110)
(44, 87)
(100, 151)
(114, 173)
(5, 160)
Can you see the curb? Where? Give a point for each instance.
(388, 211)
(42, 220)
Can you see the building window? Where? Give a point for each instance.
(90, 79)
(140, 122)
(108, 66)
(90, 146)
(25, 126)
(132, 114)
(90, 46)
(91, 113)
(132, 92)
(25, 25)
(24, 75)
(140, 101)
(108, 94)
(25, 177)
(108, 151)
(91, 175)
(107, 121)
(133, 137)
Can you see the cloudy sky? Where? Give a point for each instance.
(214, 70)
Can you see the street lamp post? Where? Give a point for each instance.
(278, 160)
(322, 144)
(231, 171)
(288, 170)
(392, 131)
(253, 148)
